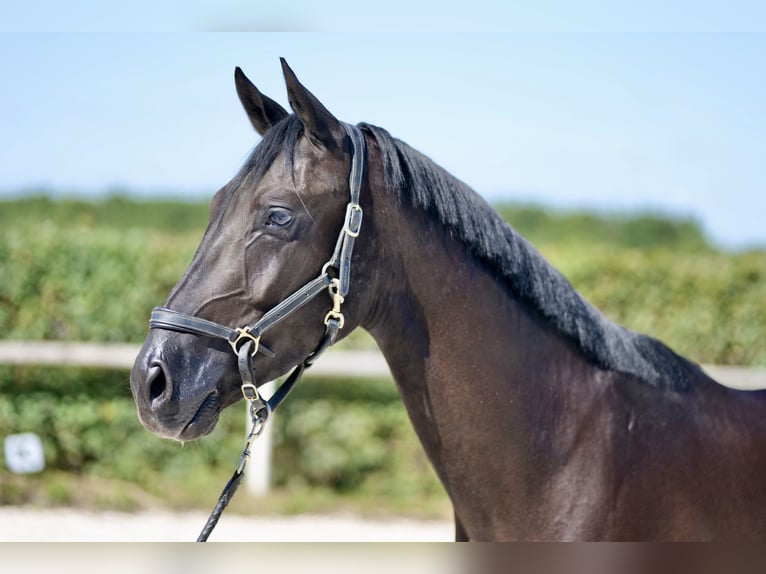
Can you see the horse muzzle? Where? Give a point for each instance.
(177, 394)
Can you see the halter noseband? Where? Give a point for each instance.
(246, 341)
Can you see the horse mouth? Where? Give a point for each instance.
(204, 420)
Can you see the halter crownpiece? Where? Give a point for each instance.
(246, 341)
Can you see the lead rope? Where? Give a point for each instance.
(259, 414)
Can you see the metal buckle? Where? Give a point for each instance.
(348, 226)
(250, 392)
(337, 300)
(244, 333)
(337, 316)
(260, 411)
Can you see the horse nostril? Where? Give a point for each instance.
(158, 384)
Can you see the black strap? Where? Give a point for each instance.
(358, 157)
(294, 302)
(352, 222)
(330, 336)
(164, 318)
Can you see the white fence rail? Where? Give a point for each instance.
(121, 356)
(334, 362)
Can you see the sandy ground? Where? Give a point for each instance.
(65, 525)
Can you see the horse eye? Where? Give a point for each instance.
(278, 218)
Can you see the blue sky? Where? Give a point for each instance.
(672, 121)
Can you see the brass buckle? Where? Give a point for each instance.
(335, 315)
(250, 392)
(244, 333)
(337, 300)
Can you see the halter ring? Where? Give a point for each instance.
(244, 333)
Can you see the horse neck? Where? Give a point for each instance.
(465, 353)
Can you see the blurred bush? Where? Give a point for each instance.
(75, 283)
(708, 306)
(638, 230)
(92, 271)
(117, 213)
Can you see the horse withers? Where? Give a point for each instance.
(543, 419)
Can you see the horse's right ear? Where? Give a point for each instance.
(321, 127)
(262, 110)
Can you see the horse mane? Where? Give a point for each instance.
(422, 184)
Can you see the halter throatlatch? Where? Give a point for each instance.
(246, 341)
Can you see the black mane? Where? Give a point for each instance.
(419, 182)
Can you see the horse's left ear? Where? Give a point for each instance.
(320, 125)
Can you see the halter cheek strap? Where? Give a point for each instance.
(246, 341)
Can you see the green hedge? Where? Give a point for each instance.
(708, 306)
(118, 213)
(74, 283)
(92, 272)
(353, 443)
(643, 230)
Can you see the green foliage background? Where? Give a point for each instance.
(91, 271)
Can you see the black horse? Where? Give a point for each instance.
(543, 419)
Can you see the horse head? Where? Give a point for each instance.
(273, 229)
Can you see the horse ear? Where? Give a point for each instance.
(320, 125)
(262, 111)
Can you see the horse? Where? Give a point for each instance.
(543, 419)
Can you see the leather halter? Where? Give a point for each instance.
(246, 341)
